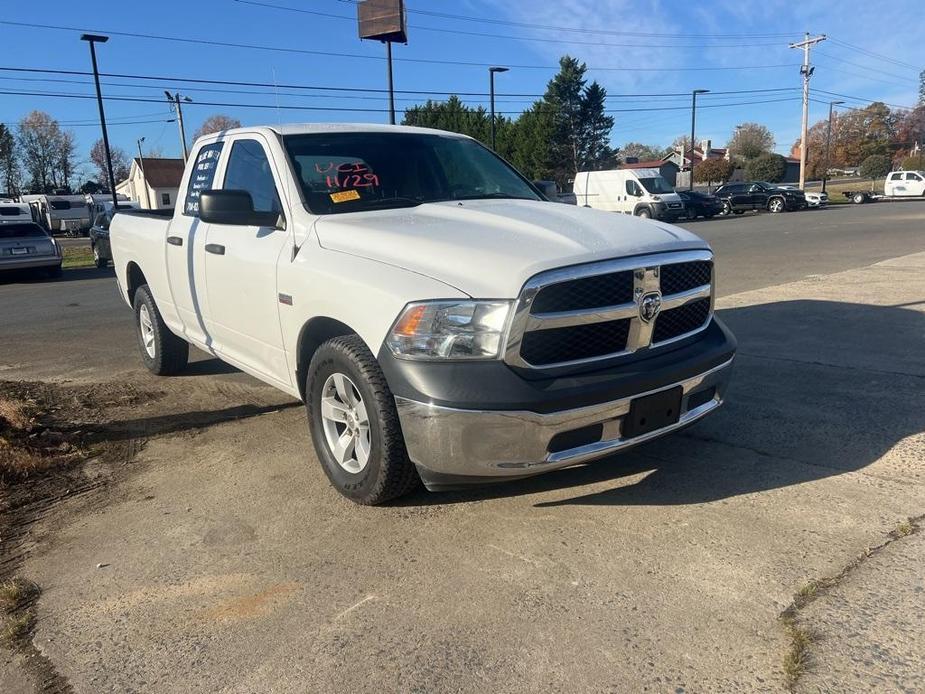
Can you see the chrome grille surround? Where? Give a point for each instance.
(646, 280)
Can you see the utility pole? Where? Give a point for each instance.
(807, 72)
(141, 163)
(693, 121)
(491, 92)
(93, 39)
(828, 142)
(175, 100)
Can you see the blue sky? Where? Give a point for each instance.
(628, 60)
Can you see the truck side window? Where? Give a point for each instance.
(249, 169)
(913, 177)
(202, 176)
(896, 177)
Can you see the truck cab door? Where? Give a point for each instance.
(185, 249)
(915, 185)
(241, 267)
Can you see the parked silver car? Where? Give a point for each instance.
(27, 246)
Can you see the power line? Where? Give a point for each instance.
(430, 61)
(878, 56)
(865, 67)
(270, 85)
(508, 37)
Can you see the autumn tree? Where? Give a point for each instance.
(216, 123)
(121, 164)
(876, 166)
(713, 171)
(750, 140)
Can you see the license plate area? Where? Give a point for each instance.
(19, 251)
(653, 412)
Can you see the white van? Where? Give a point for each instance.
(640, 192)
(904, 184)
(11, 212)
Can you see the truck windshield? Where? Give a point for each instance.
(353, 172)
(656, 185)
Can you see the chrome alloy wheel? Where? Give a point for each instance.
(776, 205)
(346, 423)
(147, 330)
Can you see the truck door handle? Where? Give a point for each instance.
(215, 248)
(175, 240)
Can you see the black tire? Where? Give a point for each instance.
(388, 473)
(55, 272)
(858, 199)
(99, 260)
(171, 353)
(644, 212)
(777, 205)
(727, 208)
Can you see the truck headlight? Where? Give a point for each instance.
(436, 330)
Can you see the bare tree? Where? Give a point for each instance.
(67, 157)
(40, 149)
(121, 164)
(216, 123)
(9, 164)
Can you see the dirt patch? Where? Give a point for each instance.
(48, 432)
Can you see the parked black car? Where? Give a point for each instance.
(698, 204)
(99, 239)
(757, 195)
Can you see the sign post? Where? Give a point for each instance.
(384, 20)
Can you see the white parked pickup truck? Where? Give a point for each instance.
(440, 319)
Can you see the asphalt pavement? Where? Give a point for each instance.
(228, 564)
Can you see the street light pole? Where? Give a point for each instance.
(491, 82)
(693, 123)
(93, 39)
(828, 142)
(141, 163)
(175, 100)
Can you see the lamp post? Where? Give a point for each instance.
(175, 100)
(491, 81)
(93, 39)
(694, 94)
(141, 164)
(828, 142)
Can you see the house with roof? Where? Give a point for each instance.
(153, 183)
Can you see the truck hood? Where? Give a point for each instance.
(489, 248)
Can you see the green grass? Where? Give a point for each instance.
(77, 257)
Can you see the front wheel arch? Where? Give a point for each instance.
(644, 208)
(313, 334)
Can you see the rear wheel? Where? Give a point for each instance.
(727, 208)
(162, 352)
(776, 205)
(354, 424)
(858, 198)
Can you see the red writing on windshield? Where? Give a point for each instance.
(347, 175)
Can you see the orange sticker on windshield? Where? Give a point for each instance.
(344, 196)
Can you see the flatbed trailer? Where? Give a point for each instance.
(859, 197)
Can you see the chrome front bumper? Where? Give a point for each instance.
(485, 443)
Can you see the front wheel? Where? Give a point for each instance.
(727, 208)
(98, 260)
(162, 352)
(354, 424)
(776, 205)
(644, 212)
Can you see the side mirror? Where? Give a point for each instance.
(233, 207)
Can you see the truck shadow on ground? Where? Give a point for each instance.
(819, 389)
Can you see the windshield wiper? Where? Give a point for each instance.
(381, 203)
(492, 196)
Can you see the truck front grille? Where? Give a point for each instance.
(680, 321)
(604, 310)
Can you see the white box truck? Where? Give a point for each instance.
(639, 192)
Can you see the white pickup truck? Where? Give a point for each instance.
(440, 319)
